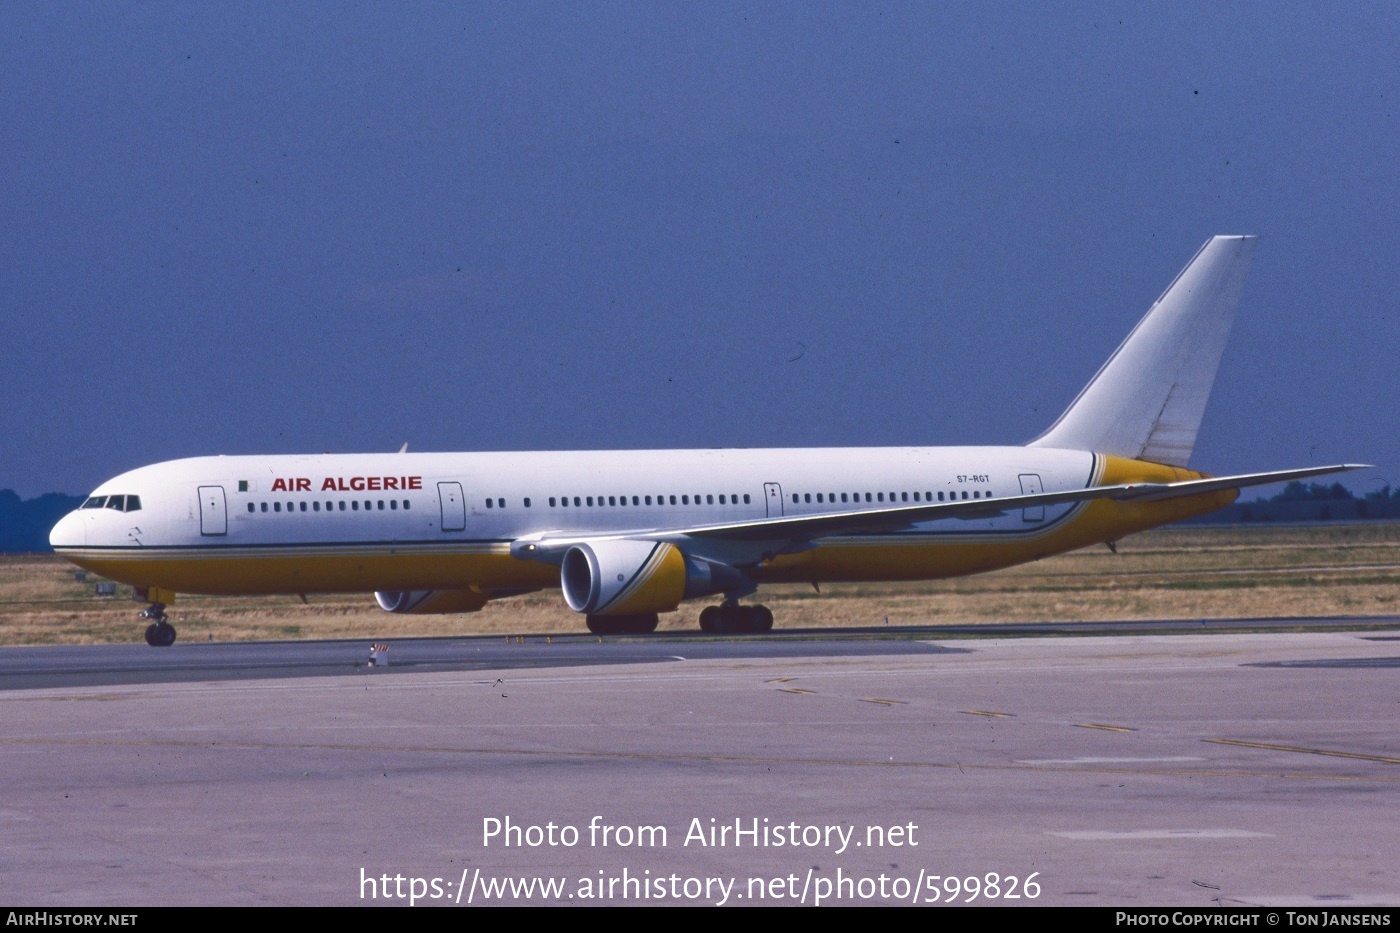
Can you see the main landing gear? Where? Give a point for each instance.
(160, 633)
(732, 619)
(639, 624)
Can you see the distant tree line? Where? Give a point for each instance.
(25, 523)
(1317, 492)
(1311, 502)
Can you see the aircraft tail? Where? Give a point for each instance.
(1146, 402)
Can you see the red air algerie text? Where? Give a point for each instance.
(353, 484)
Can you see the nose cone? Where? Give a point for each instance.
(70, 532)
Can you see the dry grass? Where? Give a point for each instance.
(1177, 573)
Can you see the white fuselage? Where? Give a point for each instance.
(367, 522)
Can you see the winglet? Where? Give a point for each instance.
(1146, 402)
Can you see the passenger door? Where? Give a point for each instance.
(213, 511)
(454, 506)
(1030, 486)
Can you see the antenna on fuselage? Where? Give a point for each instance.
(404, 448)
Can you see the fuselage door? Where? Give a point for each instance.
(1030, 486)
(454, 506)
(773, 498)
(213, 511)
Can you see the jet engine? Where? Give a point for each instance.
(622, 576)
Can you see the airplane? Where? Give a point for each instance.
(627, 535)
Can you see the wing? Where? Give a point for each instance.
(797, 530)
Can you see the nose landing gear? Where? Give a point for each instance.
(160, 633)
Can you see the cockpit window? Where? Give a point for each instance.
(118, 503)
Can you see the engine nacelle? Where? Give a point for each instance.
(631, 577)
(622, 577)
(431, 602)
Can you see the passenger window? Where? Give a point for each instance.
(354, 505)
(250, 506)
(709, 500)
(303, 506)
(746, 498)
(904, 497)
(276, 506)
(578, 503)
(394, 504)
(381, 505)
(940, 497)
(673, 500)
(263, 506)
(916, 497)
(489, 503)
(527, 502)
(342, 505)
(315, 506)
(685, 500)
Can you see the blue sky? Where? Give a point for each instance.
(290, 228)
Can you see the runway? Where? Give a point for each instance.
(1190, 769)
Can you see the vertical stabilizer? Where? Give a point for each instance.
(1146, 402)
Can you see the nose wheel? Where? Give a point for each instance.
(732, 619)
(160, 633)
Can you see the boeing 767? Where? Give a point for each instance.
(626, 535)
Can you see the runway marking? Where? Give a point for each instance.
(884, 702)
(1107, 761)
(647, 756)
(81, 698)
(1305, 751)
(1099, 725)
(780, 680)
(1101, 834)
(986, 712)
(797, 690)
